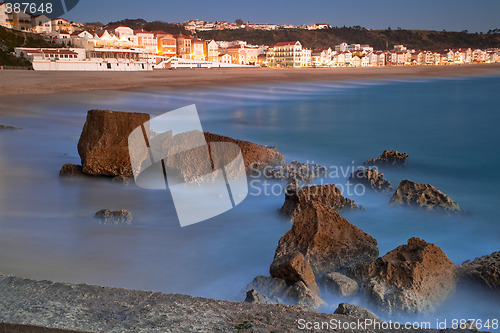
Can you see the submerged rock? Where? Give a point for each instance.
(103, 144)
(71, 170)
(423, 195)
(355, 312)
(271, 288)
(5, 127)
(107, 216)
(329, 195)
(122, 180)
(411, 278)
(293, 267)
(327, 241)
(371, 178)
(296, 172)
(299, 294)
(253, 296)
(389, 157)
(484, 271)
(340, 284)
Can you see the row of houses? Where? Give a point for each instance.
(292, 54)
(199, 25)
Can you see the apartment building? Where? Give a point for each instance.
(285, 54)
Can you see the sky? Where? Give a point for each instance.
(451, 15)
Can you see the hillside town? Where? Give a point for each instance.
(121, 48)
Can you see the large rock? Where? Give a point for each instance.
(484, 271)
(270, 288)
(255, 156)
(411, 278)
(355, 311)
(5, 127)
(340, 284)
(329, 195)
(299, 294)
(253, 296)
(293, 267)
(371, 178)
(423, 195)
(389, 157)
(103, 144)
(328, 241)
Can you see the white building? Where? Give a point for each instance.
(285, 54)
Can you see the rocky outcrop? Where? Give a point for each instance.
(389, 157)
(50, 307)
(327, 241)
(424, 196)
(255, 156)
(299, 294)
(484, 271)
(71, 170)
(293, 267)
(103, 144)
(329, 195)
(122, 180)
(355, 311)
(371, 178)
(411, 278)
(340, 284)
(271, 288)
(106, 216)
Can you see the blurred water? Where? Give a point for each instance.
(448, 126)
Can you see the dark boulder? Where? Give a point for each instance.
(389, 157)
(371, 178)
(107, 216)
(484, 271)
(296, 198)
(426, 196)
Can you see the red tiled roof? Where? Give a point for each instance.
(285, 43)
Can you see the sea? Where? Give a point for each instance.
(448, 126)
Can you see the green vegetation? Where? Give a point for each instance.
(379, 39)
(136, 24)
(9, 39)
(246, 325)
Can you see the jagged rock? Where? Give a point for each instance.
(107, 216)
(423, 195)
(328, 241)
(5, 127)
(355, 312)
(103, 144)
(389, 157)
(293, 267)
(253, 296)
(483, 270)
(71, 170)
(371, 178)
(255, 157)
(121, 179)
(296, 172)
(269, 287)
(411, 278)
(329, 195)
(299, 294)
(340, 284)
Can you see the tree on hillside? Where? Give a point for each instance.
(238, 21)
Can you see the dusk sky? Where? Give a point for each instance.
(452, 15)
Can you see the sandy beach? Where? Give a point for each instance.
(44, 82)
